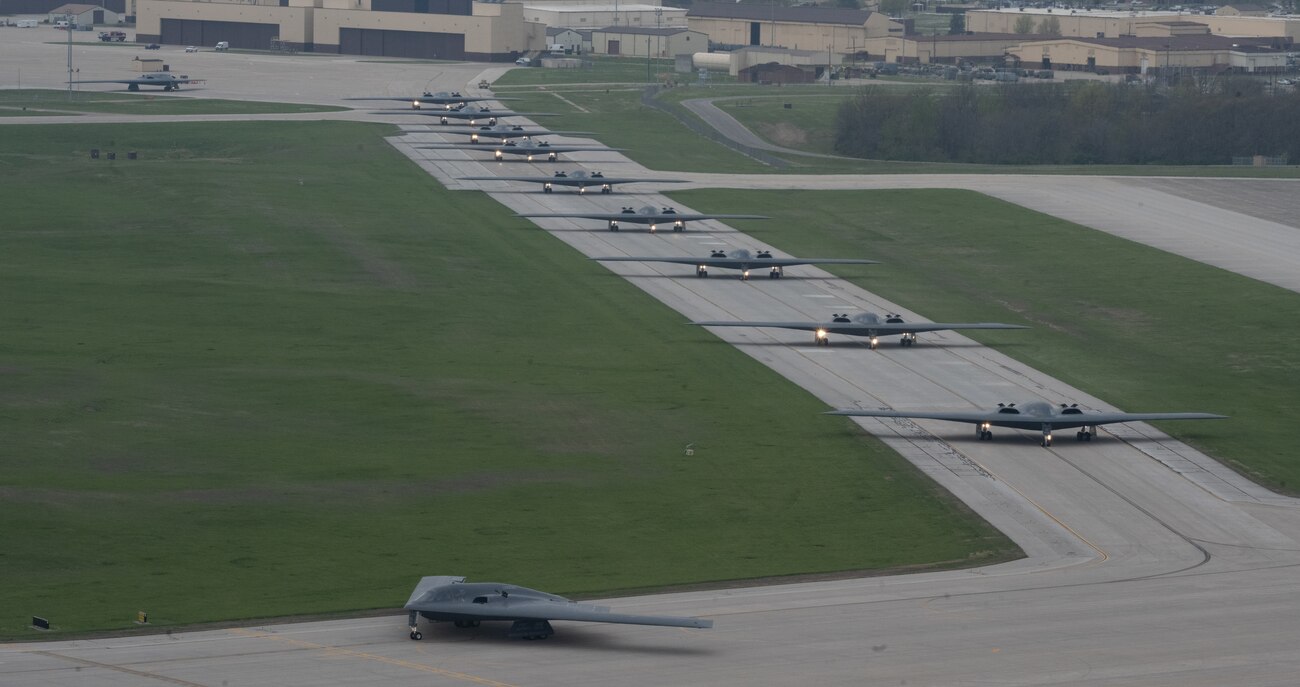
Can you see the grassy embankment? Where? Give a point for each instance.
(660, 142)
(30, 102)
(275, 369)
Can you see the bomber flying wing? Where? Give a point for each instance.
(505, 133)
(467, 604)
(646, 215)
(472, 114)
(580, 179)
(869, 325)
(166, 80)
(444, 98)
(547, 150)
(741, 260)
(1035, 415)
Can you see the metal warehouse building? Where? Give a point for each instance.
(430, 29)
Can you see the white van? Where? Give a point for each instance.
(223, 45)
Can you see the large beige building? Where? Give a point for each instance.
(1102, 24)
(430, 29)
(632, 41)
(589, 16)
(835, 30)
(1133, 54)
(942, 48)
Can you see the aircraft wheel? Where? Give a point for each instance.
(678, 228)
(605, 190)
(551, 158)
(1047, 443)
(987, 435)
(546, 190)
(417, 636)
(1087, 436)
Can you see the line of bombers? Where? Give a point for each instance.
(451, 599)
(1034, 415)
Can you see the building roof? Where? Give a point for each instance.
(1171, 43)
(766, 50)
(74, 8)
(966, 37)
(797, 15)
(644, 31)
(1246, 7)
(622, 7)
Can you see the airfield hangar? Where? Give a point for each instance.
(825, 29)
(426, 29)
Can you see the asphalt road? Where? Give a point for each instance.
(1148, 563)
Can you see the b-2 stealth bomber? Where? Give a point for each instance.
(744, 261)
(648, 215)
(1035, 415)
(579, 179)
(868, 324)
(447, 598)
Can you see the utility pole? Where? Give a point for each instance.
(69, 61)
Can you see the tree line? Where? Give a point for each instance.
(1207, 122)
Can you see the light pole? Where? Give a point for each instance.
(69, 61)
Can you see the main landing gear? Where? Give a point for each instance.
(1086, 434)
(413, 619)
(776, 273)
(702, 270)
(909, 339)
(820, 338)
(982, 431)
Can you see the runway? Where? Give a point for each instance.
(1148, 563)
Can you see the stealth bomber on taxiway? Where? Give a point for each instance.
(866, 324)
(1035, 415)
(744, 261)
(648, 215)
(446, 598)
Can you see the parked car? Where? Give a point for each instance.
(524, 62)
(153, 46)
(1285, 82)
(191, 48)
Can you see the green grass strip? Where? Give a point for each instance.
(275, 369)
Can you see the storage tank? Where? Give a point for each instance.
(717, 61)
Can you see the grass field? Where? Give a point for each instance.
(44, 101)
(275, 369)
(1138, 327)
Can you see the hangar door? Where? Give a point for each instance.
(420, 44)
(200, 32)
